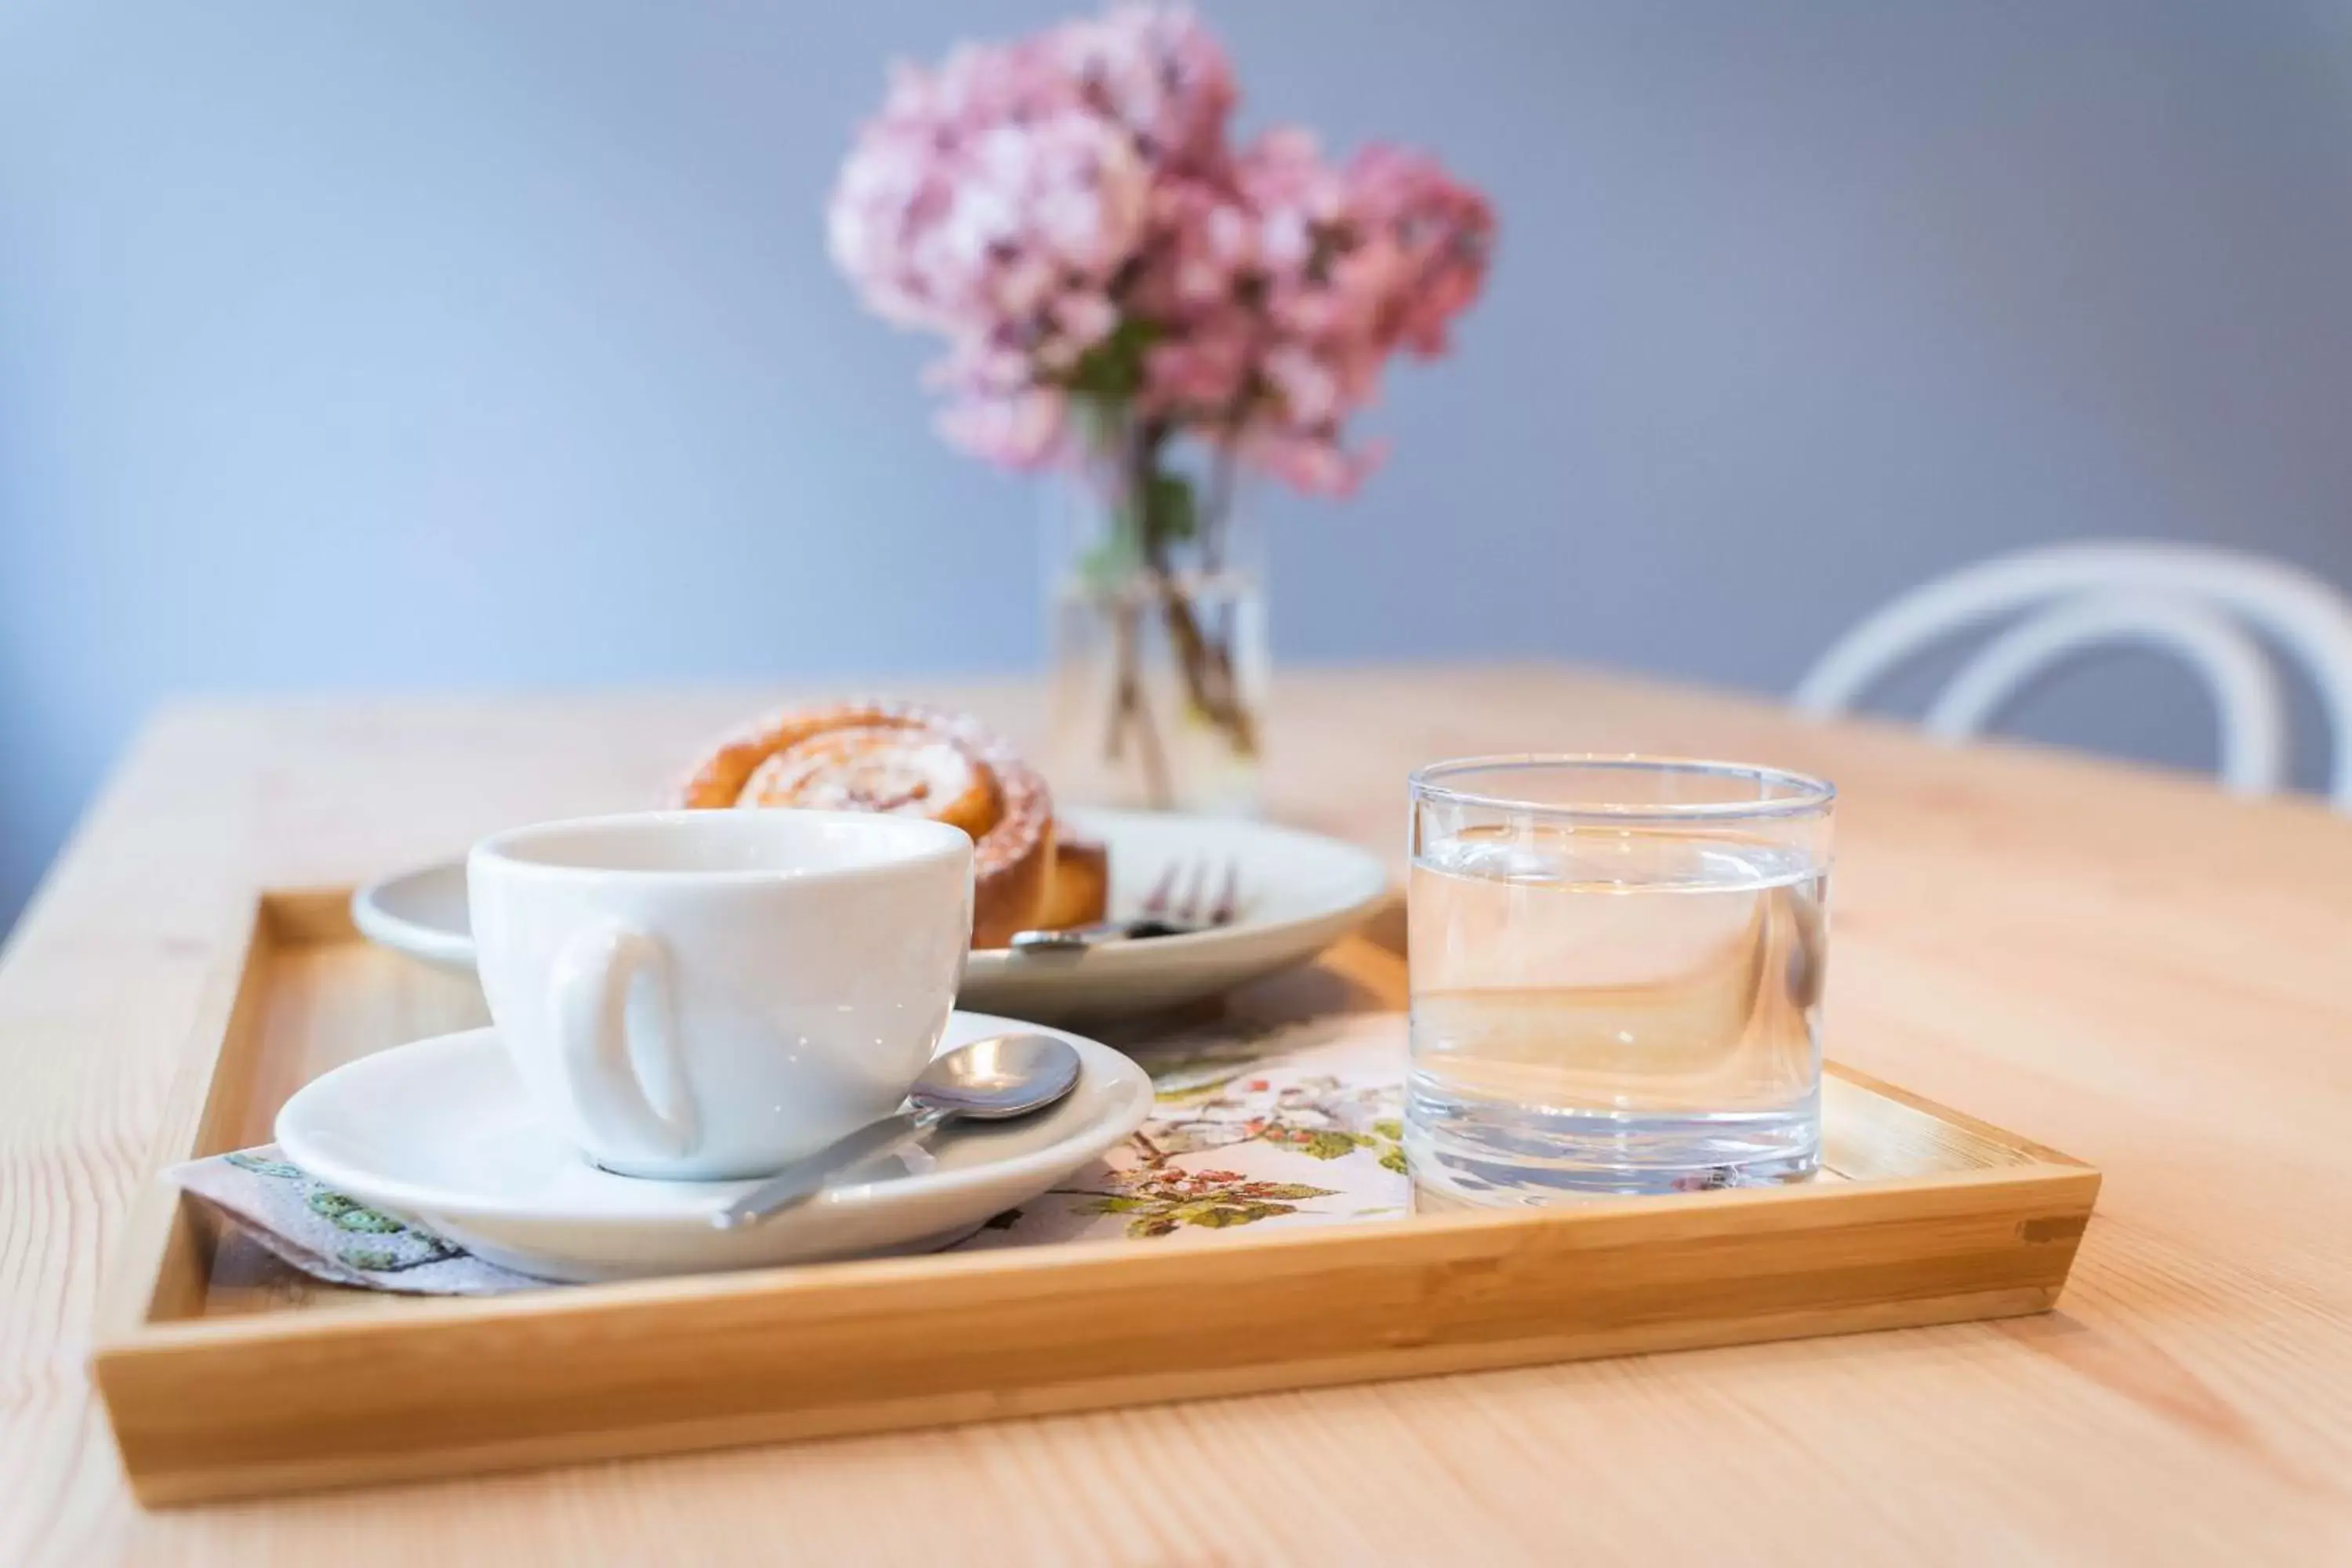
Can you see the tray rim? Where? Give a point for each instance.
(134, 1330)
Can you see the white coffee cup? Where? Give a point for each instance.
(701, 995)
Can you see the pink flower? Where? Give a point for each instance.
(1200, 241)
(1313, 464)
(976, 229)
(1158, 73)
(1192, 283)
(1294, 192)
(1201, 375)
(1065, 213)
(1017, 431)
(1323, 290)
(1440, 233)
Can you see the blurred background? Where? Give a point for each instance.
(468, 343)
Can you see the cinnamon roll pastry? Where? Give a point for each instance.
(1080, 892)
(905, 758)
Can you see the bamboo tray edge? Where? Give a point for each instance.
(407, 1388)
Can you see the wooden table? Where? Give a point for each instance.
(2119, 962)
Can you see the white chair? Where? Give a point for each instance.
(2191, 601)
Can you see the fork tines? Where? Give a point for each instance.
(1194, 905)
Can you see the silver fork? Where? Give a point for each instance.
(1181, 903)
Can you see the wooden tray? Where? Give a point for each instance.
(226, 1375)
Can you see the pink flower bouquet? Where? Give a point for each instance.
(1111, 274)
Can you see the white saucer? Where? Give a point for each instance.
(1300, 892)
(439, 1133)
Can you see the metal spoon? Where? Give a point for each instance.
(992, 1079)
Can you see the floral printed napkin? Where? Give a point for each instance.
(1296, 1126)
(332, 1238)
(1301, 1127)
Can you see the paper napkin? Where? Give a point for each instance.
(1296, 1127)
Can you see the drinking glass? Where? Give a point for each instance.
(1617, 967)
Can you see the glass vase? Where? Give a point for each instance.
(1155, 600)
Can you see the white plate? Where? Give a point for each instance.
(439, 1133)
(420, 913)
(1300, 892)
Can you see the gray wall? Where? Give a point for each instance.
(466, 342)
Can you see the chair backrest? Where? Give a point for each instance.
(2186, 599)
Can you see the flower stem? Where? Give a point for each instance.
(1128, 709)
(1133, 572)
(1205, 658)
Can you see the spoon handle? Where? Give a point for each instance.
(806, 1176)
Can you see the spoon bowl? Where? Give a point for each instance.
(1004, 1075)
(991, 1080)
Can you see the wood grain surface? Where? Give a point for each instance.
(2120, 963)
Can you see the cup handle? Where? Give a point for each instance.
(591, 980)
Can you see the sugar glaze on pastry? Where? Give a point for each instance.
(872, 767)
(901, 757)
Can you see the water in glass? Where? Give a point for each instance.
(1621, 1009)
(1127, 727)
